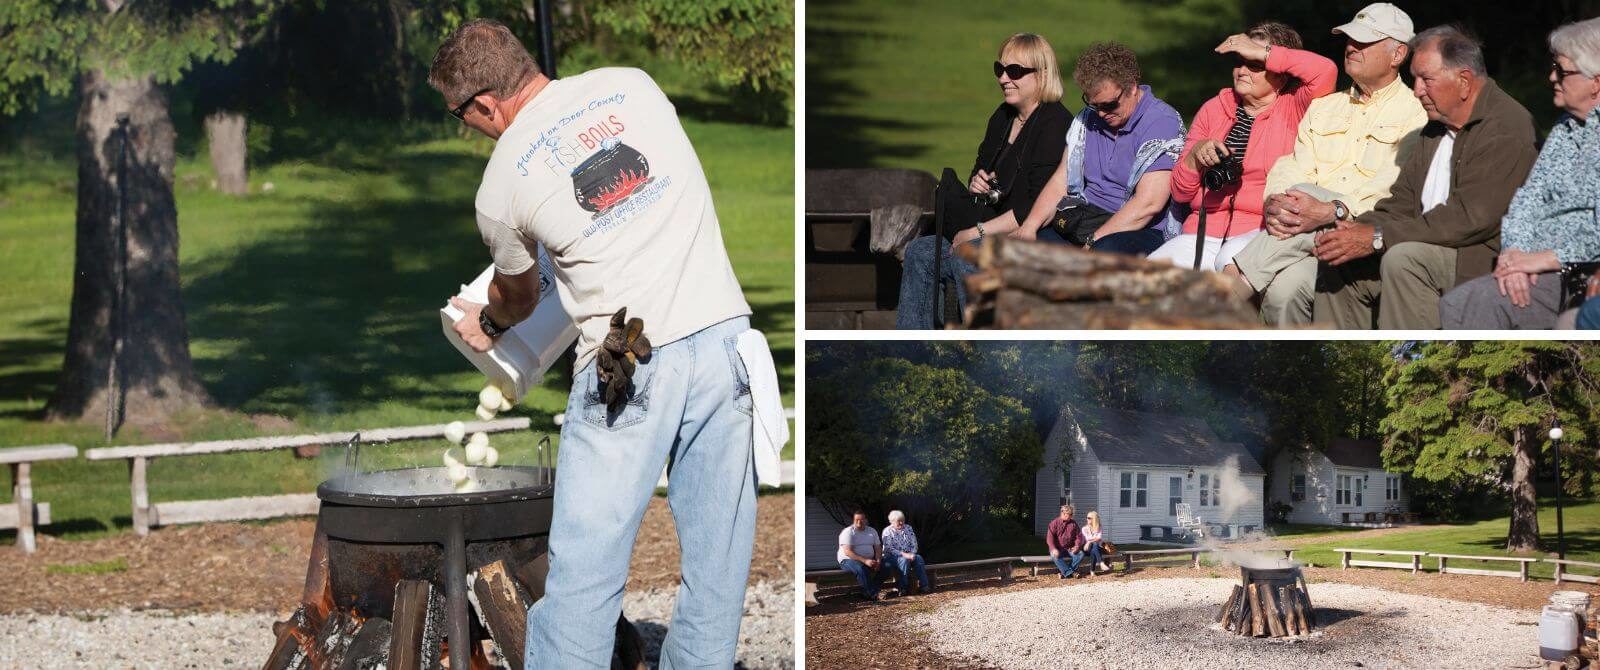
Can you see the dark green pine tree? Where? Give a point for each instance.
(1479, 411)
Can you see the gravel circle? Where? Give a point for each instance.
(157, 639)
(1168, 623)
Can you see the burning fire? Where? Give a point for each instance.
(627, 182)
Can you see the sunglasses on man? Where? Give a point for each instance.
(1014, 71)
(460, 112)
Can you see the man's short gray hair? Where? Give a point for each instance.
(1579, 41)
(896, 515)
(1456, 48)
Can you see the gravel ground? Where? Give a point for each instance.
(1168, 623)
(155, 639)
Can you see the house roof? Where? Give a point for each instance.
(1353, 453)
(1143, 438)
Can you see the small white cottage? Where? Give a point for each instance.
(1135, 468)
(1337, 485)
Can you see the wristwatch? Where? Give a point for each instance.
(1340, 212)
(1377, 238)
(490, 328)
(980, 230)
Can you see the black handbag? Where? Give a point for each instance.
(1575, 283)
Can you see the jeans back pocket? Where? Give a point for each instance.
(632, 412)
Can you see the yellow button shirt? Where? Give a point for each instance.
(1351, 146)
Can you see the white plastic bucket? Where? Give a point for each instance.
(521, 356)
(1577, 599)
(1558, 632)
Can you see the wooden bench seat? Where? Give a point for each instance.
(147, 515)
(1414, 566)
(1563, 572)
(987, 567)
(1521, 572)
(1148, 555)
(25, 514)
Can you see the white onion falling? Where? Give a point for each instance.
(484, 413)
(455, 431)
(490, 457)
(491, 397)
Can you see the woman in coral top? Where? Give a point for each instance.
(1253, 122)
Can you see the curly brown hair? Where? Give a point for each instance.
(1275, 33)
(1106, 61)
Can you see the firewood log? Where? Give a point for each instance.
(503, 608)
(1227, 607)
(1258, 622)
(295, 638)
(418, 627)
(1270, 611)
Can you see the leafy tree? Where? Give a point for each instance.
(890, 434)
(116, 55)
(1476, 413)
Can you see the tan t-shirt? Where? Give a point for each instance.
(598, 169)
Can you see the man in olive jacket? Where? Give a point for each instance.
(1440, 225)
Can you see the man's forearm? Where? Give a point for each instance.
(510, 307)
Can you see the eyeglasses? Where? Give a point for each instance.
(1561, 73)
(460, 111)
(1014, 71)
(1108, 106)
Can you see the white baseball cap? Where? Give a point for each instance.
(1377, 21)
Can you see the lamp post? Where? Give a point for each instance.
(1561, 540)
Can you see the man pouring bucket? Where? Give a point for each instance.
(597, 169)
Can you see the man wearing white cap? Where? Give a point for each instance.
(1347, 154)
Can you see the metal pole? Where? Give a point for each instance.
(113, 388)
(455, 591)
(547, 43)
(1561, 539)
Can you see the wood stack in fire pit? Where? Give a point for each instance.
(1268, 603)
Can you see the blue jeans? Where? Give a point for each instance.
(1133, 242)
(690, 407)
(1589, 315)
(904, 567)
(1094, 551)
(916, 310)
(867, 577)
(1068, 569)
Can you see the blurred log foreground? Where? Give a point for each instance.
(1040, 285)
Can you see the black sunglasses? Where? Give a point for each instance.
(1014, 71)
(1555, 66)
(460, 111)
(1108, 106)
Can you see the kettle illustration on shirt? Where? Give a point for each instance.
(608, 177)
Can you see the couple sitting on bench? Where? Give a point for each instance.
(863, 554)
(1069, 544)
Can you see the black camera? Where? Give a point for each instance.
(1222, 175)
(993, 196)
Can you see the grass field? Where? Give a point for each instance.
(315, 304)
(902, 84)
(1482, 538)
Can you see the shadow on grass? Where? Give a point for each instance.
(342, 313)
(1578, 543)
(836, 137)
(35, 362)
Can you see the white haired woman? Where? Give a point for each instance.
(1552, 227)
(900, 546)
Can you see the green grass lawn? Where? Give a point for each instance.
(908, 84)
(1481, 538)
(317, 301)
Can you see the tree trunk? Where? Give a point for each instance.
(156, 376)
(226, 131)
(1524, 533)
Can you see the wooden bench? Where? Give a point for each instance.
(147, 515)
(1414, 566)
(1037, 563)
(1563, 574)
(26, 515)
(1131, 556)
(997, 567)
(1520, 573)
